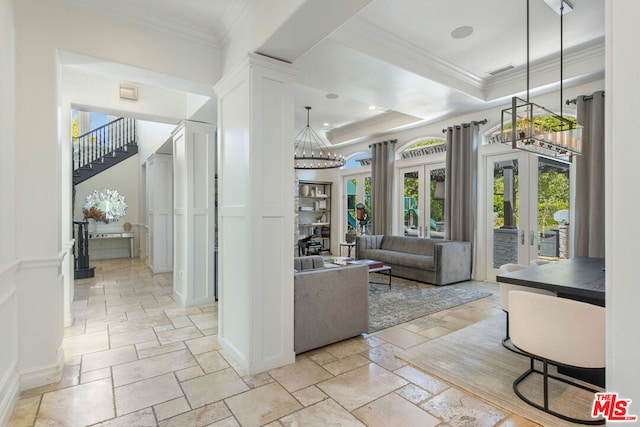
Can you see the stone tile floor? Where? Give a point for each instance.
(136, 358)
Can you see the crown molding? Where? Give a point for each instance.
(583, 54)
(234, 14)
(361, 33)
(387, 121)
(159, 22)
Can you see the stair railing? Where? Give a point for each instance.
(81, 250)
(94, 145)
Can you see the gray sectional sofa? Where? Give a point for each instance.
(439, 262)
(330, 304)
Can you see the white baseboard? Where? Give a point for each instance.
(9, 392)
(43, 375)
(255, 367)
(185, 302)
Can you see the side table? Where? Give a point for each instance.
(349, 246)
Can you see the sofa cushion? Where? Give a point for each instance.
(408, 245)
(307, 263)
(369, 241)
(422, 262)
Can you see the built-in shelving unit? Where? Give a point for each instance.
(314, 212)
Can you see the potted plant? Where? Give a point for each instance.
(92, 215)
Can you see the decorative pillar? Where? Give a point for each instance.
(255, 229)
(159, 194)
(194, 146)
(563, 230)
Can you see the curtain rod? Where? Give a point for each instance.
(466, 125)
(390, 141)
(574, 100)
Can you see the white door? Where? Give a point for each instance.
(512, 224)
(422, 199)
(528, 197)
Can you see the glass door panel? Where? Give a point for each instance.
(553, 210)
(350, 186)
(423, 201)
(436, 204)
(358, 203)
(505, 232)
(530, 200)
(411, 200)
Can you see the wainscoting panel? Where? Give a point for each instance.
(9, 382)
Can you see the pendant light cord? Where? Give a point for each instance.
(561, 49)
(527, 51)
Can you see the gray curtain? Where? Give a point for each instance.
(461, 178)
(382, 162)
(589, 205)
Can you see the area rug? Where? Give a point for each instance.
(408, 300)
(474, 359)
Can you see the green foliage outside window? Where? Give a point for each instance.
(553, 195)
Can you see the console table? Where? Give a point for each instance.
(121, 235)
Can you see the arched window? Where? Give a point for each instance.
(424, 148)
(362, 159)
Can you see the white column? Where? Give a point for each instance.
(9, 190)
(39, 205)
(159, 193)
(622, 204)
(194, 167)
(255, 197)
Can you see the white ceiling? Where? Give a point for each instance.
(399, 55)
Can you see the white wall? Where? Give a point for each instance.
(8, 262)
(44, 31)
(622, 202)
(152, 136)
(90, 91)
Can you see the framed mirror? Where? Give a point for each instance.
(105, 205)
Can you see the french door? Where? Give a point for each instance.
(422, 200)
(357, 191)
(528, 197)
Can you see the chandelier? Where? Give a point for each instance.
(530, 127)
(312, 153)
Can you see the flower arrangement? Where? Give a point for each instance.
(95, 213)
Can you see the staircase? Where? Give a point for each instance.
(92, 153)
(103, 147)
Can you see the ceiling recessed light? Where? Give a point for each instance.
(462, 32)
(372, 107)
(333, 96)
